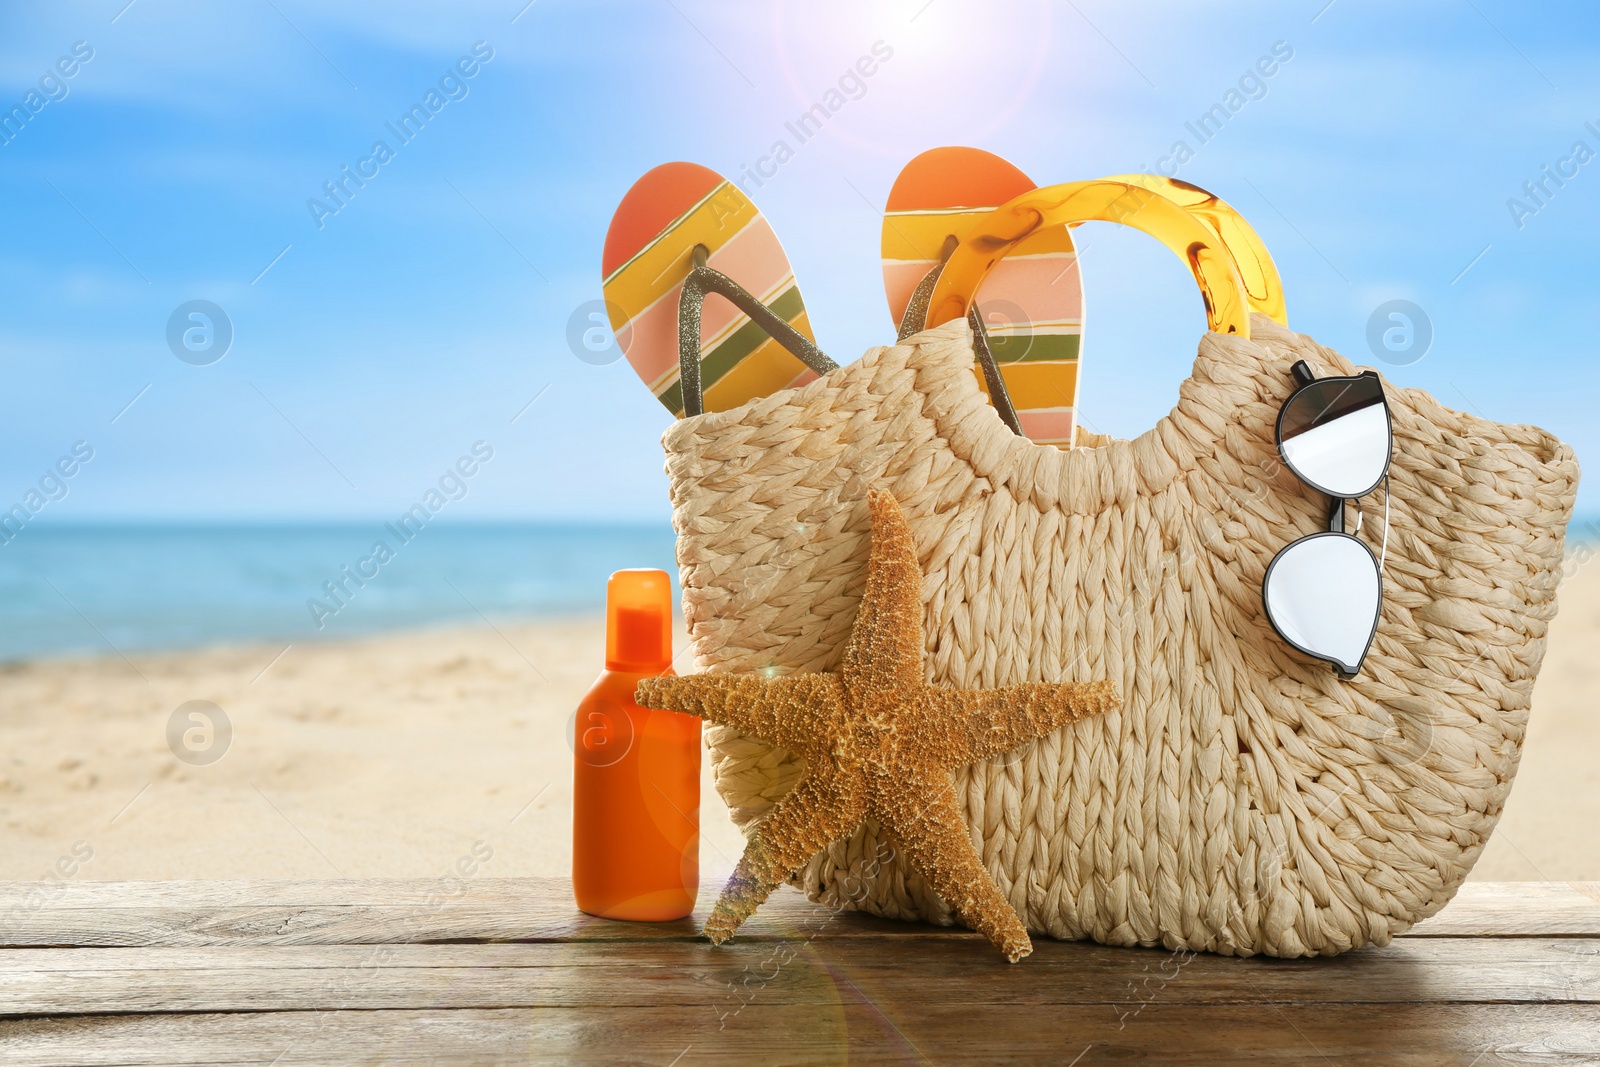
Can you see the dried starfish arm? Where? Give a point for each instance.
(976, 724)
(885, 650)
(795, 712)
(924, 819)
(814, 814)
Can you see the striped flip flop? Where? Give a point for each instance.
(683, 221)
(1032, 303)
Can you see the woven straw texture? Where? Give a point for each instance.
(1243, 800)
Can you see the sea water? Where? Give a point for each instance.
(124, 588)
(142, 587)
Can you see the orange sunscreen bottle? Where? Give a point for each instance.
(636, 776)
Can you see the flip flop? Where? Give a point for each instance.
(1032, 306)
(682, 220)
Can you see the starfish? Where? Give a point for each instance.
(878, 743)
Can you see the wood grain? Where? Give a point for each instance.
(703, 978)
(130, 914)
(508, 971)
(353, 912)
(856, 1031)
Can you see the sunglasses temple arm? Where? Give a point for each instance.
(1383, 553)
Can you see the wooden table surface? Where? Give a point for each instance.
(493, 971)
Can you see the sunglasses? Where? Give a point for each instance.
(1323, 593)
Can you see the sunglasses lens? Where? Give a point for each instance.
(1322, 594)
(1334, 433)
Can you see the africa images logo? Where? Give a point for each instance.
(452, 485)
(52, 88)
(452, 85)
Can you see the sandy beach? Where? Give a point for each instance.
(395, 756)
(389, 756)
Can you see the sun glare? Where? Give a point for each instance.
(892, 75)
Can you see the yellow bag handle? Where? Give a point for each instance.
(1227, 306)
(1262, 284)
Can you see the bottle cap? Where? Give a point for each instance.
(639, 620)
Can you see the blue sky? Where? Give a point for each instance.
(372, 352)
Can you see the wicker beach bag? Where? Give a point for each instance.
(1244, 799)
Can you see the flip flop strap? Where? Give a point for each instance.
(703, 280)
(916, 317)
(915, 320)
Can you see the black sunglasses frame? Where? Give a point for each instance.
(1303, 374)
(1307, 380)
(1345, 671)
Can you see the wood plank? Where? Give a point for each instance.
(701, 978)
(423, 910)
(1521, 909)
(353, 912)
(1509, 971)
(856, 1030)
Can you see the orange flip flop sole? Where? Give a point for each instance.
(648, 253)
(1032, 303)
